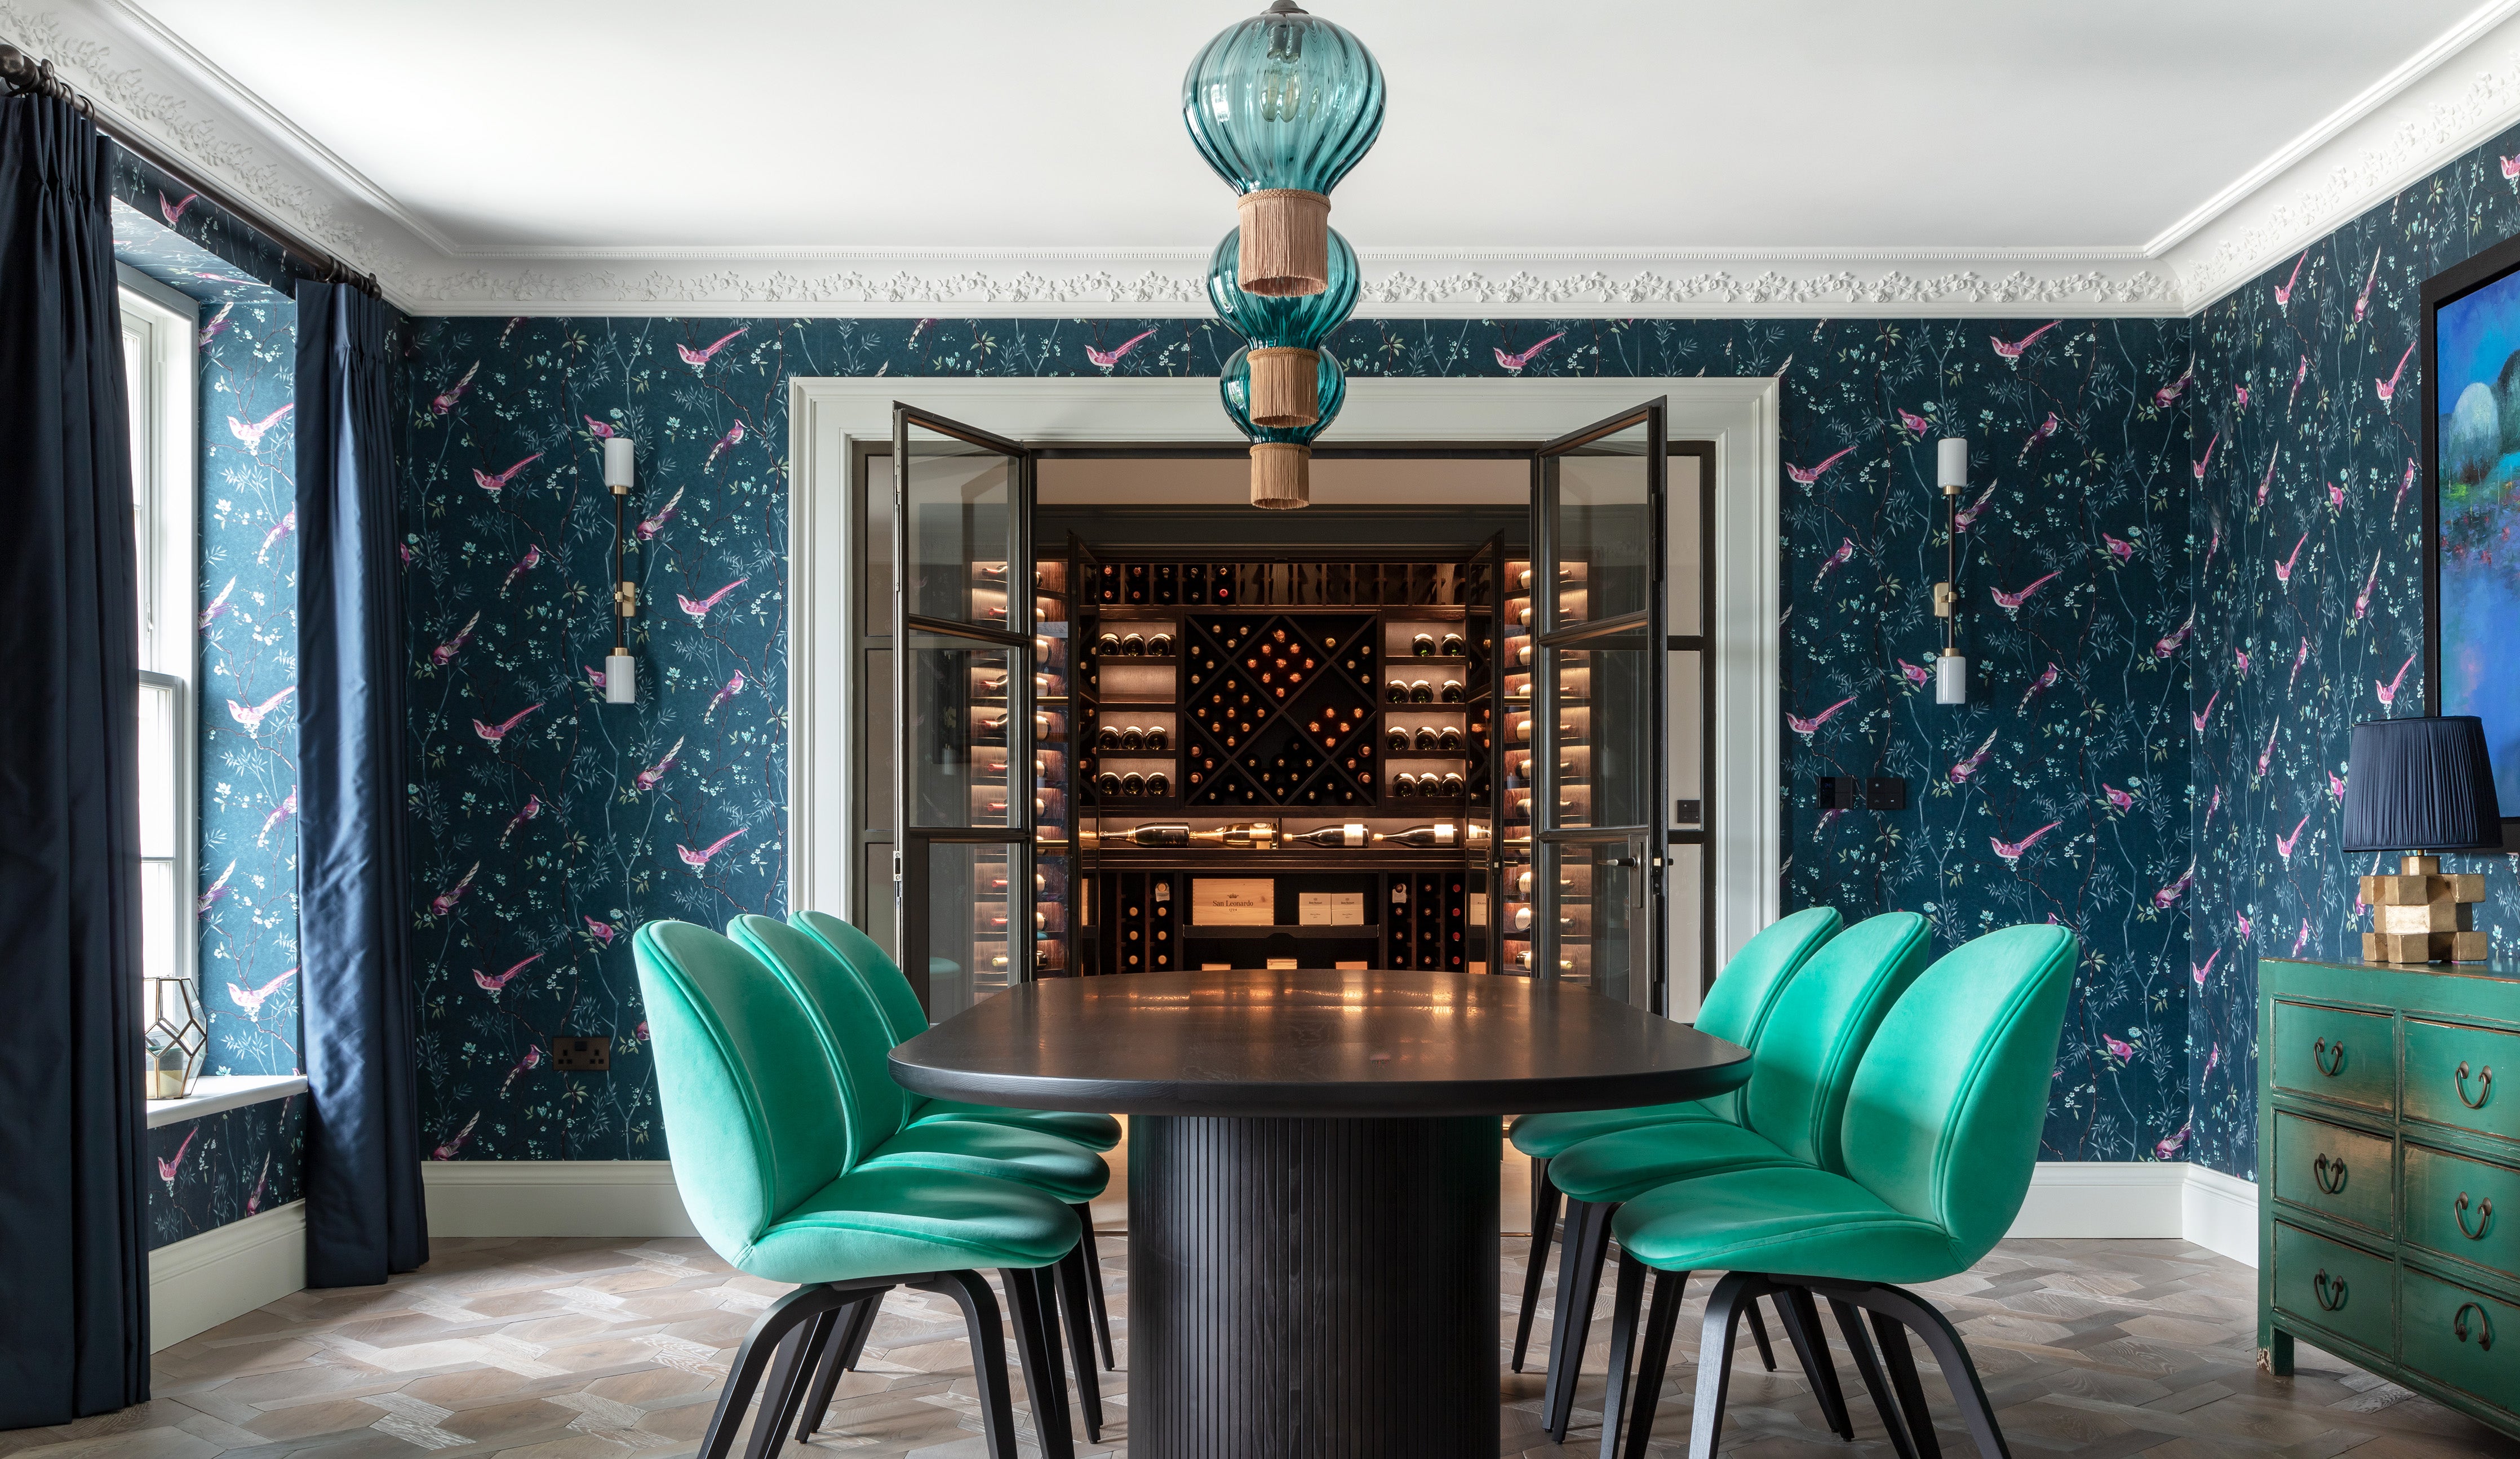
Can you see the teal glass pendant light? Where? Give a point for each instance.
(1282, 106)
(1281, 456)
(1284, 331)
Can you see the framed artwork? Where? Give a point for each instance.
(2471, 393)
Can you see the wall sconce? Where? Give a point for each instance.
(621, 670)
(1951, 671)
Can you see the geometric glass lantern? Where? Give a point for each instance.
(175, 1037)
(1282, 331)
(1281, 456)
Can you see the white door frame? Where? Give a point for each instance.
(1740, 416)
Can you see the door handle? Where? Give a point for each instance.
(2329, 1172)
(2484, 1325)
(2483, 1086)
(2319, 1056)
(2484, 1214)
(2330, 1292)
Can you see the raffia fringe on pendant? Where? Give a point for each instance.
(1286, 387)
(1286, 241)
(1282, 475)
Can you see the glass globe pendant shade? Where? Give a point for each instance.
(1282, 106)
(1283, 330)
(1281, 456)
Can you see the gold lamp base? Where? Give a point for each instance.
(2420, 915)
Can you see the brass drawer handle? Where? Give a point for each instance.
(2329, 1172)
(2485, 1214)
(2484, 1326)
(2319, 1056)
(2330, 1292)
(2484, 1089)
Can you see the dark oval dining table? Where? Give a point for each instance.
(1313, 1162)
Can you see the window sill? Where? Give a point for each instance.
(212, 1093)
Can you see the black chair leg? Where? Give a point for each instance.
(1759, 1335)
(1579, 1284)
(1544, 1222)
(766, 1339)
(800, 1359)
(1802, 1327)
(854, 1341)
(1724, 1305)
(1096, 1302)
(1076, 1283)
(1653, 1357)
(1901, 1363)
(1859, 1343)
(971, 1292)
(1951, 1354)
(1037, 1347)
(838, 1356)
(1627, 1300)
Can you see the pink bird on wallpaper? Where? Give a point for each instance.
(496, 484)
(699, 859)
(1104, 359)
(2037, 687)
(2011, 851)
(734, 438)
(2119, 1049)
(2511, 171)
(2170, 1145)
(491, 983)
(2169, 394)
(514, 320)
(2010, 350)
(287, 524)
(1807, 727)
(2170, 642)
(532, 558)
(253, 1202)
(700, 610)
(2201, 973)
(1808, 476)
(253, 434)
(493, 734)
(734, 686)
(2047, 428)
(2363, 599)
(2389, 690)
(2336, 496)
(452, 1145)
(173, 213)
(2269, 753)
(210, 896)
(2336, 787)
(2300, 373)
(217, 326)
(2298, 660)
(2285, 844)
(1968, 514)
(2120, 800)
(2119, 547)
(2246, 926)
(649, 527)
(167, 1170)
(1826, 820)
(532, 808)
(2167, 897)
(2214, 805)
(647, 779)
(1914, 674)
(446, 398)
(286, 808)
(2363, 300)
(2269, 478)
(600, 429)
(2240, 396)
(2387, 390)
(444, 901)
(2208, 458)
(531, 1061)
(1512, 364)
(2012, 603)
(2301, 939)
(2201, 717)
(251, 999)
(2213, 1060)
(698, 358)
(2284, 569)
(1912, 422)
(1960, 773)
(252, 717)
(602, 932)
(2283, 290)
(1834, 560)
(2404, 482)
(2213, 544)
(444, 653)
(593, 676)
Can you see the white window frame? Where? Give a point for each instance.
(167, 493)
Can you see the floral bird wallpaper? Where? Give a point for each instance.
(224, 1166)
(547, 827)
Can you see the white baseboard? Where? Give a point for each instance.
(225, 1272)
(2120, 1199)
(554, 1198)
(2220, 1212)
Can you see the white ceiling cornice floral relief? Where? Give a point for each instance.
(146, 79)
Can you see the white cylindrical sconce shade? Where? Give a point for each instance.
(1951, 462)
(1951, 680)
(620, 678)
(619, 459)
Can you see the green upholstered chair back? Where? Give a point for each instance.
(855, 1037)
(1946, 1113)
(1736, 1006)
(752, 1113)
(880, 973)
(1817, 1028)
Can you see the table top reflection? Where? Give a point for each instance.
(1313, 1044)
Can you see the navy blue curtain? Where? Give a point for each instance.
(74, 1249)
(364, 1214)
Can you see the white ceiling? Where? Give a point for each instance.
(564, 146)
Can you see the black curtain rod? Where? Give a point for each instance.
(23, 74)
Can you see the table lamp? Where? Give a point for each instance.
(2419, 787)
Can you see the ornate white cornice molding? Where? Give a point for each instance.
(2456, 92)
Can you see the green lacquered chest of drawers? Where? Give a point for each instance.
(2389, 1141)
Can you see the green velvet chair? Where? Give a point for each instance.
(757, 1126)
(1816, 1029)
(1939, 1136)
(1737, 1010)
(856, 1044)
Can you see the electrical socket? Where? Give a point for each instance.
(590, 1053)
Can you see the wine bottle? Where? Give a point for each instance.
(1133, 783)
(1159, 646)
(1107, 737)
(1403, 784)
(989, 572)
(1137, 580)
(1106, 646)
(1158, 784)
(1154, 736)
(1421, 692)
(1448, 740)
(997, 686)
(1132, 738)
(1038, 920)
(1452, 692)
(1523, 655)
(1040, 805)
(1108, 782)
(1167, 585)
(1452, 647)
(1329, 835)
(1132, 645)
(1162, 834)
(1522, 959)
(1397, 738)
(1422, 645)
(1451, 784)
(1446, 834)
(1396, 693)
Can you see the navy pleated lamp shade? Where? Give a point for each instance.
(2420, 784)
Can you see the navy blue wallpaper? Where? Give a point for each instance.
(225, 1167)
(547, 825)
